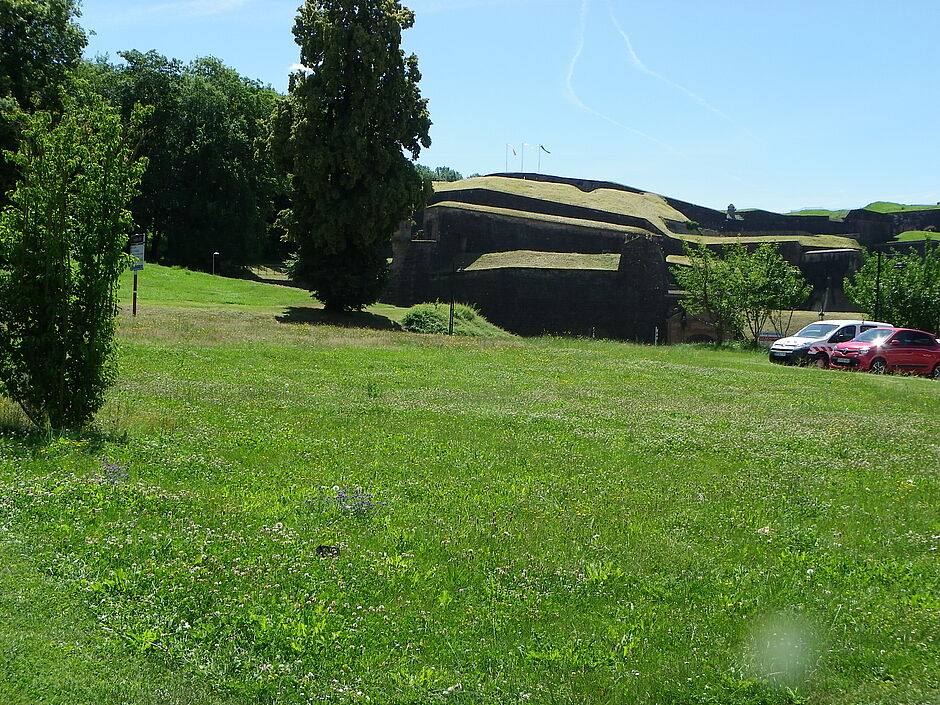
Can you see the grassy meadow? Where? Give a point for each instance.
(279, 507)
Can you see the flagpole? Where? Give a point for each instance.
(522, 163)
(539, 171)
(507, 157)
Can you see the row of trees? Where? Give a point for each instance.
(903, 288)
(743, 290)
(210, 184)
(220, 166)
(333, 160)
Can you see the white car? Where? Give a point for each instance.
(814, 343)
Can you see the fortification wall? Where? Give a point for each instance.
(870, 227)
(409, 279)
(705, 217)
(815, 224)
(915, 220)
(825, 271)
(461, 231)
(627, 304)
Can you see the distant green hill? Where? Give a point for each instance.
(877, 207)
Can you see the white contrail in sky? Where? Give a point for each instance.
(573, 97)
(635, 60)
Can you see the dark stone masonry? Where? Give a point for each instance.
(443, 255)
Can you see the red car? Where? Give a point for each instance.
(881, 350)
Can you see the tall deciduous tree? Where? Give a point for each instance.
(39, 44)
(709, 289)
(352, 114)
(906, 290)
(766, 285)
(62, 242)
(741, 289)
(207, 187)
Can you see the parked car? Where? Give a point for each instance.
(883, 350)
(815, 342)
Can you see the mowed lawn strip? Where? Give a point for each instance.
(522, 521)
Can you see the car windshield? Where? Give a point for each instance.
(816, 330)
(875, 335)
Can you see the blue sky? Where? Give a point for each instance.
(828, 103)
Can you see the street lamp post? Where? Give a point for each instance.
(878, 288)
(453, 300)
(214, 255)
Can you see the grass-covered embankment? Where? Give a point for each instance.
(550, 521)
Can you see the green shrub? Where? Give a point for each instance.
(426, 318)
(61, 243)
(435, 318)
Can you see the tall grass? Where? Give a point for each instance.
(288, 514)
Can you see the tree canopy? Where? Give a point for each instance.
(440, 173)
(343, 133)
(743, 290)
(62, 239)
(906, 290)
(209, 187)
(39, 44)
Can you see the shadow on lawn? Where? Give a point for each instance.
(93, 439)
(350, 319)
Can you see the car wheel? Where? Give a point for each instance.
(936, 371)
(821, 361)
(878, 366)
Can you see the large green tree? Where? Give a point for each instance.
(353, 113)
(39, 44)
(208, 187)
(62, 240)
(709, 288)
(903, 289)
(742, 289)
(440, 173)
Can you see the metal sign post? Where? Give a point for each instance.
(138, 243)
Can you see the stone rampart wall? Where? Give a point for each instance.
(410, 276)
(826, 272)
(916, 220)
(627, 304)
(460, 231)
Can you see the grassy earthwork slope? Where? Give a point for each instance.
(644, 205)
(650, 206)
(300, 513)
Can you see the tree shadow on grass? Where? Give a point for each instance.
(94, 438)
(345, 319)
(258, 275)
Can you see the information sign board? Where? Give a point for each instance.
(138, 242)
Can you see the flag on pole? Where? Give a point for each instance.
(542, 147)
(512, 148)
